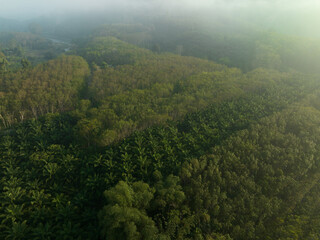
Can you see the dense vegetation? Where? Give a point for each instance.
(48, 88)
(121, 139)
(241, 46)
(18, 46)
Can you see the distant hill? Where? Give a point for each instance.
(11, 25)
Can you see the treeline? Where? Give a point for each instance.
(225, 39)
(12, 40)
(243, 47)
(17, 46)
(109, 51)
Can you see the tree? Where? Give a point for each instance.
(173, 217)
(25, 63)
(125, 215)
(3, 64)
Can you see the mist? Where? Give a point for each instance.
(292, 17)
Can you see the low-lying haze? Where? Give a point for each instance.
(293, 17)
(35, 8)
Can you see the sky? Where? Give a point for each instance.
(23, 9)
(289, 16)
(34, 8)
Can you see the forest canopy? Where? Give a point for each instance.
(160, 121)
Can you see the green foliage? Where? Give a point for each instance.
(3, 63)
(151, 145)
(166, 87)
(138, 34)
(110, 51)
(25, 63)
(48, 88)
(35, 48)
(240, 44)
(173, 218)
(249, 179)
(125, 215)
(62, 185)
